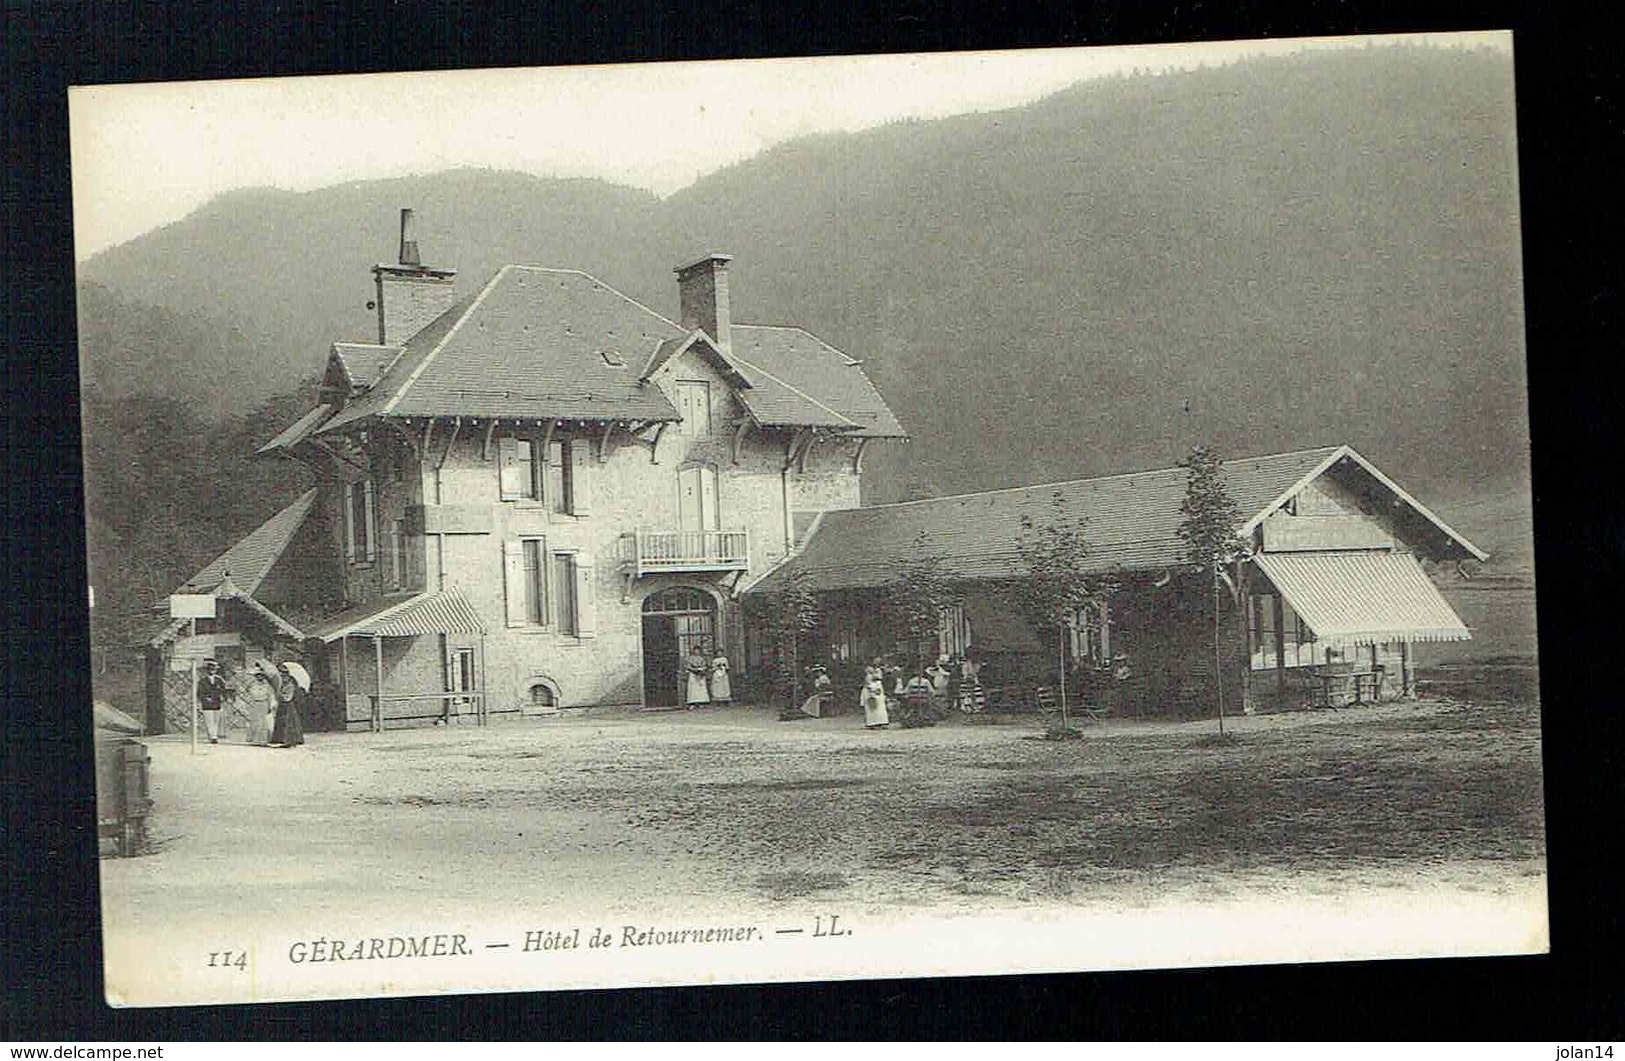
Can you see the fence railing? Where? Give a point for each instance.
(723, 550)
(451, 706)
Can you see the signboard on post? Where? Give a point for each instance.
(191, 605)
(202, 646)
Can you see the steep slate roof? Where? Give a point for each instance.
(525, 345)
(1131, 523)
(251, 559)
(808, 365)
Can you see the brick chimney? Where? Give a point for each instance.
(702, 291)
(410, 294)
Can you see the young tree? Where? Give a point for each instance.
(1208, 528)
(1055, 554)
(791, 611)
(914, 598)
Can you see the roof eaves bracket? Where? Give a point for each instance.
(739, 435)
(857, 458)
(798, 445)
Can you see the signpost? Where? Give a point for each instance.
(193, 606)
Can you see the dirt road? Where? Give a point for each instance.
(616, 816)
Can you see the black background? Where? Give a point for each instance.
(1568, 73)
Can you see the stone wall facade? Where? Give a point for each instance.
(457, 532)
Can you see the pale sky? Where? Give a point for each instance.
(148, 155)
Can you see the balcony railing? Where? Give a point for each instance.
(719, 550)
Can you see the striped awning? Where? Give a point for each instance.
(446, 612)
(1363, 597)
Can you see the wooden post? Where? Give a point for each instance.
(1065, 718)
(1407, 673)
(482, 682)
(1218, 673)
(190, 648)
(378, 671)
(1243, 606)
(1280, 647)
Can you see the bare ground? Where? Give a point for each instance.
(730, 809)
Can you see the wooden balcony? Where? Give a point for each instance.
(657, 552)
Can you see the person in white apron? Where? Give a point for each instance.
(258, 699)
(721, 685)
(697, 671)
(873, 697)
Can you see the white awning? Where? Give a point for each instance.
(426, 613)
(1363, 597)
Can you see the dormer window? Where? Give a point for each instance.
(694, 406)
(612, 358)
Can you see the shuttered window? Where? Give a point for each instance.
(564, 578)
(586, 615)
(694, 405)
(559, 477)
(535, 581)
(359, 544)
(516, 468)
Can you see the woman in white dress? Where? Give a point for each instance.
(697, 669)
(721, 686)
(258, 698)
(873, 697)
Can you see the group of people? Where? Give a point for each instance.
(705, 677)
(921, 696)
(271, 695)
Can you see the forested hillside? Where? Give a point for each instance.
(1275, 254)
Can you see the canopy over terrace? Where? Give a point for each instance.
(442, 612)
(1362, 598)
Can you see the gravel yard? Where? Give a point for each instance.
(626, 814)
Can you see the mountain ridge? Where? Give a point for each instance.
(1262, 256)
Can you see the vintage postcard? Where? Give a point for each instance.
(809, 519)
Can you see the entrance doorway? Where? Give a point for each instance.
(675, 621)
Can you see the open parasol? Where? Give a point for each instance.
(299, 674)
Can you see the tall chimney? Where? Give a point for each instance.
(409, 239)
(410, 294)
(702, 292)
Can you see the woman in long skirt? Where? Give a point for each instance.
(698, 669)
(289, 730)
(721, 685)
(258, 697)
(873, 697)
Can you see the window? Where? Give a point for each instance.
(694, 405)
(953, 631)
(559, 477)
(542, 697)
(1089, 635)
(564, 582)
(516, 468)
(1273, 625)
(535, 581)
(697, 505)
(457, 667)
(525, 477)
(358, 522)
(400, 556)
(843, 645)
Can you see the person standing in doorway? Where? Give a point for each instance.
(722, 691)
(698, 670)
(211, 693)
